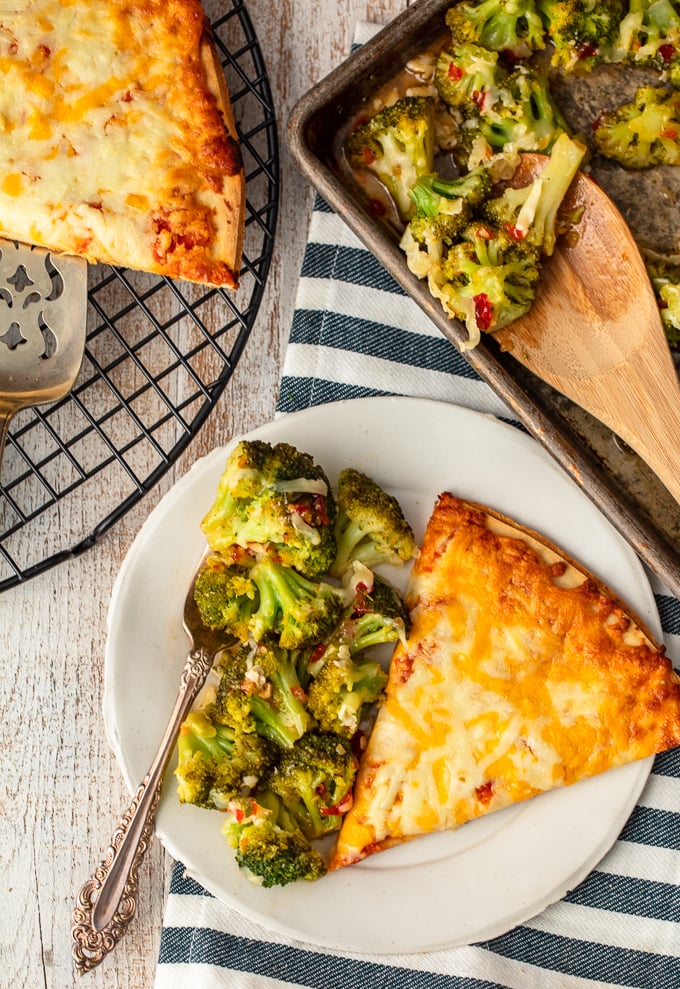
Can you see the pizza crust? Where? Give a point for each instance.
(522, 673)
(229, 202)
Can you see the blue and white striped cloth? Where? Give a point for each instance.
(356, 334)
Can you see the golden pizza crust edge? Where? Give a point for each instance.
(229, 205)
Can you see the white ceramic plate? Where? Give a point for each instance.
(439, 891)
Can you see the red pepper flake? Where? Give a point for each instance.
(361, 605)
(514, 232)
(338, 809)
(320, 509)
(484, 793)
(669, 132)
(454, 72)
(586, 50)
(317, 652)
(303, 509)
(403, 666)
(478, 98)
(667, 52)
(358, 743)
(483, 311)
(368, 156)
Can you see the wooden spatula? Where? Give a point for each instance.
(595, 334)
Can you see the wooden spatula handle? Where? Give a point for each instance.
(652, 428)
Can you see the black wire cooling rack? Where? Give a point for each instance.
(158, 356)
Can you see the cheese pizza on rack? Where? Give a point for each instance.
(117, 137)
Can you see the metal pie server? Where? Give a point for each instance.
(43, 309)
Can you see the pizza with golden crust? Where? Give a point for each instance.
(521, 673)
(117, 138)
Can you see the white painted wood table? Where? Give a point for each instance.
(61, 792)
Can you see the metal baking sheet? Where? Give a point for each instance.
(614, 477)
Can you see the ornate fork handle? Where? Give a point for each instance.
(107, 902)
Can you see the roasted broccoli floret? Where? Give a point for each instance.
(397, 145)
(370, 525)
(513, 27)
(314, 780)
(343, 692)
(429, 237)
(650, 37)
(443, 209)
(273, 500)
(375, 615)
(297, 610)
(527, 118)
(530, 213)
(216, 762)
(488, 280)
(583, 32)
(378, 614)
(664, 274)
(268, 599)
(643, 133)
(469, 75)
(434, 196)
(225, 596)
(345, 683)
(260, 691)
(268, 843)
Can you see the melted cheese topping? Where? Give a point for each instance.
(111, 144)
(521, 674)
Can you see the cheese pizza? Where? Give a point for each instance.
(521, 673)
(117, 138)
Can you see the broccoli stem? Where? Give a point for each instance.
(375, 630)
(199, 734)
(292, 697)
(271, 725)
(348, 540)
(538, 213)
(311, 803)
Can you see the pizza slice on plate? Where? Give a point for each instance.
(117, 138)
(522, 673)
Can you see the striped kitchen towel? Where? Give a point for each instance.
(356, 334)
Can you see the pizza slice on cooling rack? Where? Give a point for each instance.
(522, 673)
(122, 147)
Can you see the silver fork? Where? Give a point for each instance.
(107, 901)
